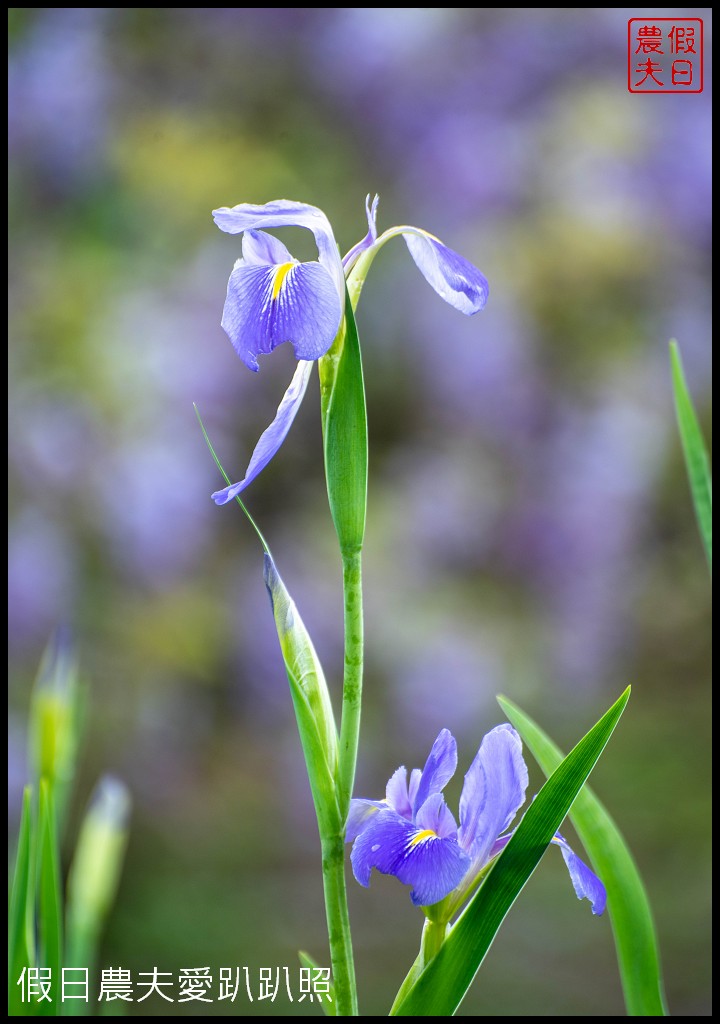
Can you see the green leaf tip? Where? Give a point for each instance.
(697, 462)
(228, 481)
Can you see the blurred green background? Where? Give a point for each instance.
(530, 529)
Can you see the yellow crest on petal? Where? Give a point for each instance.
(280, 274)
(426, 833)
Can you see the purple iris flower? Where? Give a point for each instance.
(272, 298)
(413, 835)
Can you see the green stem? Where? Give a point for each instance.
(338, 921)
(345, 444)
(333, 847)
(352, 678)
(433, 935)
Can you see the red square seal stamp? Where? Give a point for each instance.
(665, 55)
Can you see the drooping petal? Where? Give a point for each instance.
(285, 213)
(268, 305)
(369, 239)
(359, 816)
(274, 435)
(439, 768)
(371, 214)
(260, 247)
(396, 794)
(586, 883)
(493, 791)
(433, 866)
(436, 816)
(453, 277)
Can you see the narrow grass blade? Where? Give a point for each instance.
(21, 942)
(228, 481)
(443, 984)
(696, 457)
(50, 908)
(628, 904)
(328, 1005)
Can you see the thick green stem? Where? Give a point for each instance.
(352, 678)
(338, 921)
(433, 936)
(333, 847)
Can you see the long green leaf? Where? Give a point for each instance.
(443, 984)
(21, 943)
(50, 910)
(628, 904)
(344, 421)
(696, 457)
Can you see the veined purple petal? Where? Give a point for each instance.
(586, 883)
(415, 776)
(396, 794)
(260, 247)
(268, 305)
(454, 278)
(285, 213)
(273, 437)
(359, 816)
(433, 866)
(493, 791)
(439, 768)
(436, 816)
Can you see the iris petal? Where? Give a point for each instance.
(274, 435)
(432, 865)
(450, 274)
(415, 776)
(360, 815)
(499, 845)
(586, 883)
(260, 247)
(369, 239)
(437, 816)
(264, 309)
(396, 793)
(493, 791)
(439, 768)
(285, 213)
